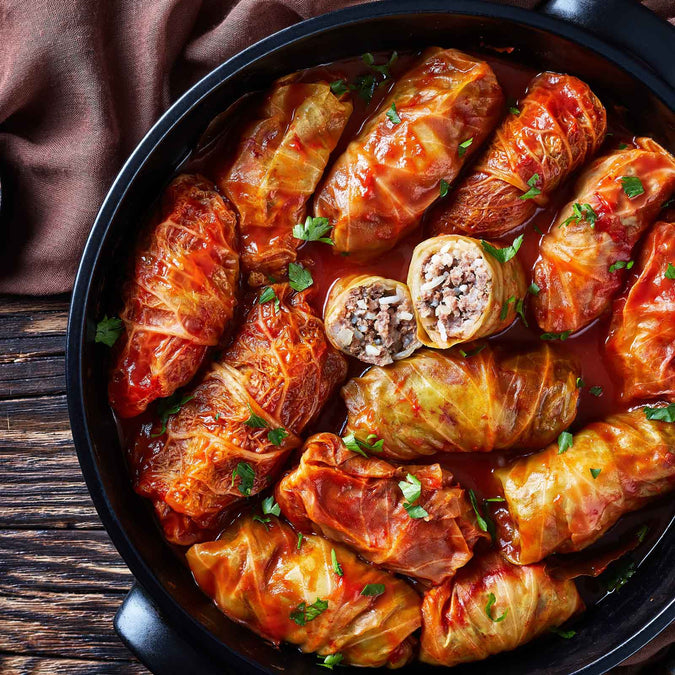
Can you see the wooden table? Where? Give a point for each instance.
(61, 579)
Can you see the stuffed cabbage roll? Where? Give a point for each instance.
(414, 520)
(461, 292)
(236, 428)
(641, 343)
(180, 298)
(286, 588)
(559, 125)
(371, 318)
(583, 257)
(492, 606)
(447, 402)
(562, 501)
(280, 158)
(431, 122)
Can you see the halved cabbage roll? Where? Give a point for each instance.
(235, 429)
(583, 257)
(559, 125)
(492, 606)
(461, 292)
(414, 520)
(564, 501)
(287, 589)
(434, 118)
(443, 401)
(641, 343)
(279, 161)
(371, 318)
(180, 297)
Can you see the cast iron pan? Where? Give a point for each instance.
(166, 620)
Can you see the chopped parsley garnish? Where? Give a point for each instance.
(534, 190)
(392, 115)
(622, 146)
(620, 264)
(556, 336)
(444, 187)
(412, 491)
(482, 524)
(463, 147)
(168, 406)
(373, 589)
(415, 511)
(303, 613)
(385, 69)
(514, 110)
(520, 311)
(246, 475)
(666, 414)
(255, 421)
(269, 508)
(331, 660)
(596, 390)
(495, 499)
(505, 307)
(337, 568)
(268, 295)
(371, 444)
(299, 278)
(488, 609)
(276, 436)
(339, 87)
(595, 473)
(620, 576)
(566, 634)
(642, 533)
(364, 86)
(581, 212)
(313, 229)
(503, 254)
(473, 352)
(565, 442)
(580, 383)
(108, 329)
(632, 186)
(668, 203)
(670, 271)
(299, 540)
(534, 289)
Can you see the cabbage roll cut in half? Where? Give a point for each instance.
(434, 118)
(233, 431)
(461, 291)
(555, 129)
(563, 499)
(280, 159)
(583, 258)
(180, 298)
(492, 606)
(414, 520)
(371, 318)
(286, 588)
(641, 344)
(450, 402)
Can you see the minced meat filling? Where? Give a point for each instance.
(455, 290)
(377, 324)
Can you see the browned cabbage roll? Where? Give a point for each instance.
(443, 401)
(562, 502)
(492, 606)
(360, 501)
(286, 589)
(460, 291)
(371, 318)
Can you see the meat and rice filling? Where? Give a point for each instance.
(455, 290)
(376, 324)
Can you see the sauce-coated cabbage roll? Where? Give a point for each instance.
(617, 198)
(492, 606)
(287, 589)
(432, 121)
(371, 318)
(279, 161)
(236, 428)
(443, 401)
(180, 298)
(461, 292)
(560, 124)
(641, 343)
(564, 501)
(414, 520)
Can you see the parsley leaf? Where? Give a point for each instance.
(503, 254)
(619, 576)
(596, 390)
(482, 524)
(579, 213)
(473, 352)
(595, 473)
(514, 110)
(255, 421)
(373, 589)
(359, 447)
(331, 660)
(268, 295)
(520, 311)
(385, 69)
(534, 289)
(642, 533)
(392, 115)
(168, 406)
(336, 565)
(670, 271)
(580, 383)
(276, 436)
(565, 442)
(313, 229)
(566, 634)
(299, 540)
(299, 278)
(556, 336)
(364, 86)
(444, 187)
(666, 414)
(488, 609)
(415, 511)
(495, 499)
(632, 186)
(246, 475)
(534, 190)
(269, 506)
(411, 488)
(620, 264)
(339, 87)
(303, 613)
(505, 307)
(108, 330)
(463, 147)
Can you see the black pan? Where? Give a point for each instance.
(166, 620)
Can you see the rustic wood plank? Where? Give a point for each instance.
(31, 422)
(32, 376)
(36, 665)
(24, 304)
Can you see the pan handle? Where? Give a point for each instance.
(625, 23)
(148, 635)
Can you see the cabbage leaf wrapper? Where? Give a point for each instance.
(559, 125)
(180, 297)
(432, 121)
(285, 590)
(236, 428)
(278, 163)
(641, 343)
(562, 502)
(492, 606)
(616, 200)
(445, 402)
(358, 501)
